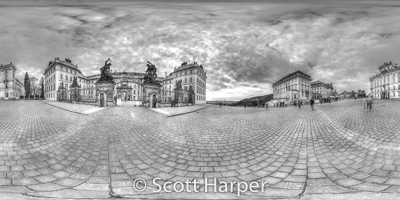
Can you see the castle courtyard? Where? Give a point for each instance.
(340, 149)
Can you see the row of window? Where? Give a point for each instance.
(66, 69)
(201, 90)
(384, 80)
(201, 98)
(51, 79)
(394, 88)
(51, 95)
(50, 87)
(201, 83)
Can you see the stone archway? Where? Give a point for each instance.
(153, 100)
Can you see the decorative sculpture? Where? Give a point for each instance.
(179, 85)
(105, 71)
(151, 74)
(75, 83)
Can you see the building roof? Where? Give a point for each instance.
(185, 65)
(317, 82)
(7, 66)
(385, 68)
(67, 62)
(326, 85)
(290, 76)
(19, 82)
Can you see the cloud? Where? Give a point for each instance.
(243, 47)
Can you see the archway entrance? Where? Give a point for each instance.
(103, 98)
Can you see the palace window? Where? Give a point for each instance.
(61, 76)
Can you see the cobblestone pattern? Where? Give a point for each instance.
(48, 152)
(172, 111)
(79, 108)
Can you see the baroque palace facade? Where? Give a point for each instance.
(294, 86)
(129, 85)
(321, 90)
(10, 87)
(385, 84)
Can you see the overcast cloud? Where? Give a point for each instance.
(244, 47)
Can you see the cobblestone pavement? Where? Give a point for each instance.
(78, 108)
(337, 149)
(173, 111)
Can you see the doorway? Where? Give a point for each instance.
(154, 103)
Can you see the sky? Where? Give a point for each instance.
(244, 46)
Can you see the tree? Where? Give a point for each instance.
(42, 87)
(27, 85)
(35, 86)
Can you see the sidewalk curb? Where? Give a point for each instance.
(67, 109)
(188, 112)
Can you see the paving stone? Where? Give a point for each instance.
(24, 181)
(336, 149)
(72, 194)
(46, 187)
(93, 187)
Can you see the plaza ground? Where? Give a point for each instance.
(338, 151)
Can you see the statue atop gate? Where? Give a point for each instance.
(105, 71)
(178, 85)
(151, 87)
(151, 74)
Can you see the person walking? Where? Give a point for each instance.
(245, 105)
(312, 104)
(299, 103)
(366, 104)
(370, 102)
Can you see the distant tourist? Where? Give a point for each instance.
(299, 102)
(312, 104)
(245, 105)
(370, 101)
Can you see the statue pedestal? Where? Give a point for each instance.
(104, 93)
(151, 95)
(178, 97)
(74, 94)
